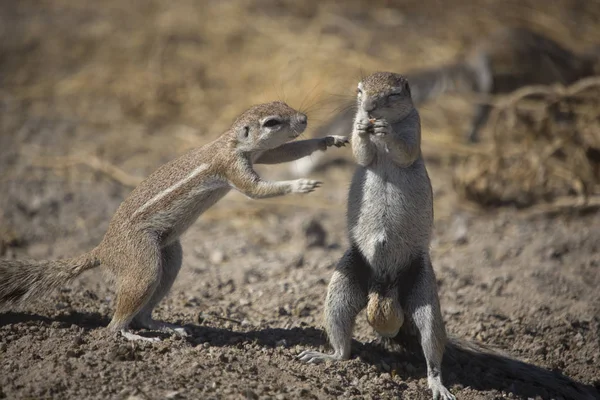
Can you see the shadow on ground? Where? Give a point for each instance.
(465, 363)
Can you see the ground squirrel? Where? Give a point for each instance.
(387, 268)
(390, 217)
(141, 247)
(505, 60)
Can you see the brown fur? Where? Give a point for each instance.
(141, 247)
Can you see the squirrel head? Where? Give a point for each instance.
(267, 126)
(384, 95)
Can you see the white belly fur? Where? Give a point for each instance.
(389, 213)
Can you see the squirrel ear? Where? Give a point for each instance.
(244, 132)
(407, 87)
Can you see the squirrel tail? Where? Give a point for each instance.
(498, 366)
(22, 280)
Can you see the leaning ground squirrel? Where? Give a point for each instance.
(387, 268)
(141, 247)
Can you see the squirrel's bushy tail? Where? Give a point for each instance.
(22, 280)
(495, 368)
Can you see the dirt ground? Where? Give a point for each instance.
(136, 83)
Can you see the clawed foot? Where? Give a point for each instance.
(335, 140)
(169, 328)
(305, 185)
(443, 395)
(165, 327)
(315, 357)
(138, 338)
(175, 329)
(440, 392)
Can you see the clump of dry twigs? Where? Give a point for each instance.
(546, 149)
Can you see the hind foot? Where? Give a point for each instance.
(315, 357)
(155, 325)
(138, 338)
(440, 392)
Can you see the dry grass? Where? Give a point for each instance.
(136, 83)
(546, 146)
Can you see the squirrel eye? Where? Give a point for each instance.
(246, 131)
(271, 122)
(407, 87)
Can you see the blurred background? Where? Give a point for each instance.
(137, 83)
(96, 95)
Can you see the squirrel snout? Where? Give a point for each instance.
(369, 105)
(299, 123)
(302, 119)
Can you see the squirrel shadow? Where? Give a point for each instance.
(468, 364)
(462, 365)
(87, 321)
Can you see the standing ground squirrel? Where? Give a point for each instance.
(390, 218)
(387, 268)
(141, 247)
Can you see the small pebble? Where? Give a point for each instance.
(217, 257)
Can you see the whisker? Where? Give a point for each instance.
(307, 96)
(343, 108)
(316, 105)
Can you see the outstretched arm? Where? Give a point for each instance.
(244, 179)
(363, 148)
(296, 150)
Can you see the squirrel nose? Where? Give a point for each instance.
(368, 105)
(302, 119)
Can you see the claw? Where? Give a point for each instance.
(181, 331)
(440, 392)
(133, 337)
(315, 357)
(162, 326)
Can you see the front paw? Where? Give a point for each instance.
(305, 185)
(335, 140)
(381, 128)
(363, 128)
